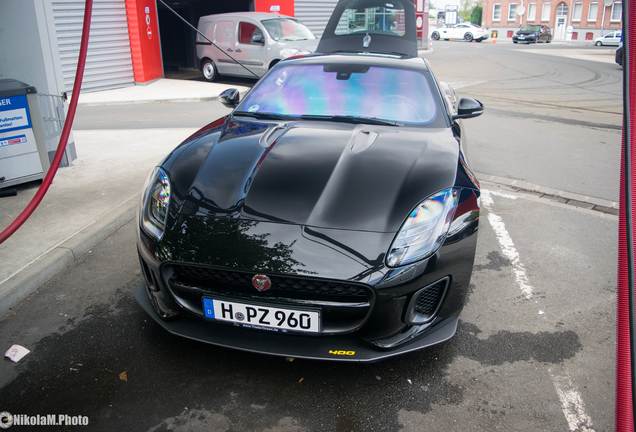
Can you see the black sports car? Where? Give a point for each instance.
(533, 34)
(331, 215)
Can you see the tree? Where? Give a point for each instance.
(475, 15)
(464, 11)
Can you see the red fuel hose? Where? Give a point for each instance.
(626, 235)
(66, 130)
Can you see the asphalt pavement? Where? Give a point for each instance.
(503, 370)
(535, 345)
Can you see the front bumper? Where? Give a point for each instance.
(528, 39)
(347, 348)
(389, 327)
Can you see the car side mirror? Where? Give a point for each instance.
(230, 97)
(468, 108)
(258, 38)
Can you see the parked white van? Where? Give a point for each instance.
(257, 40)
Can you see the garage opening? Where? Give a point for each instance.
(178, 47)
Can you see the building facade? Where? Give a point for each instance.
(569, 19)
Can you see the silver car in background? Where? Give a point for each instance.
(257, 40)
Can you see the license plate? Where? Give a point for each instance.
(260, 316)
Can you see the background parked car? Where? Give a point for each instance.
(533, 34)
(620, 55)
(466, 31)
(612, 39)
(257, 40)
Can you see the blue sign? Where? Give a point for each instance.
(14, 113)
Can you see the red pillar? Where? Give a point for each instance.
(627, 223)
(143, 30)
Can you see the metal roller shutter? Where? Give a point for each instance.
(108, 63)
(314, 13)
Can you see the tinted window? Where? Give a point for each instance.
(386, 19)
(287, 29)
(393, 94)
(246, 31)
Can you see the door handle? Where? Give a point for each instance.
(229, 50)
(238, 50)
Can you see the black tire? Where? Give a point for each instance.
(435, 36)
(548, 41)
(514, 41)
(468, 37)
(479, 40)
(599, 43)
(209, 71)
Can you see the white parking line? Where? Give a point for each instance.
(572, 404)
(507, 246)
(571, 401)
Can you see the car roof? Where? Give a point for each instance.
(258, 16)
(367, 59)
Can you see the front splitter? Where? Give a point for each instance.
(334, 348)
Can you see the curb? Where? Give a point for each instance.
(148, 101)
(570, 198)
(29, 278)
(155, 101)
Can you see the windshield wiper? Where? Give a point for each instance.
(352, 119)
(262, 116)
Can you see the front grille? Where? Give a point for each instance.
(427, 301)
(344, 305)
(232, 282)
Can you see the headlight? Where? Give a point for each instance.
(156, 200)
(424, 230)
(288, 52)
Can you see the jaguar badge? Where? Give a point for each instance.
(261, 282)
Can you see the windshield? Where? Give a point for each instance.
(531, 29)
(355, 91)
(287, 29)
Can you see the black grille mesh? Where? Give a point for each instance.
(427, 301)
(226, 281)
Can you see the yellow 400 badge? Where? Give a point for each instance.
(342, 353)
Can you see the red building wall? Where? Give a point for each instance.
(580, 26)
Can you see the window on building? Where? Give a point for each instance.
(577, 11)
(247, 31)
(532, 11)
(496, 12)
(546, 8)
(512, 12)
(592, 12)
(617, 11)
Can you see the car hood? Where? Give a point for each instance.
(315, 174)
